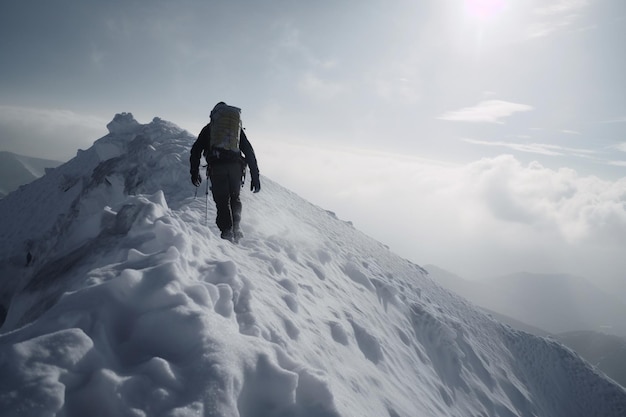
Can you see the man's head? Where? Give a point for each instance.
(217, 106)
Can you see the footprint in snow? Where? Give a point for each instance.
(368, 344)
(290, 285)
(318, 272)
(355, 274)
(291, 302)
(338, 332)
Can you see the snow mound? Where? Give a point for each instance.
(119, 299)
(122, 123)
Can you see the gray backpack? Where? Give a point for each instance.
(225, 127)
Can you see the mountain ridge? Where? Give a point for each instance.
(133, 305)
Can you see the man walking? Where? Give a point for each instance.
(222, 143)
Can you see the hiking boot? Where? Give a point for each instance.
(237, 234)
(228, 235)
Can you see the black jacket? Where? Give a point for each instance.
(203, 145)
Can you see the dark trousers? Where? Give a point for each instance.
(225, 186)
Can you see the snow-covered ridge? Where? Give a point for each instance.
(129, 304)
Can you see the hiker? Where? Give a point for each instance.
(221, 142)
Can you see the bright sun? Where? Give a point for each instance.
(484, 9)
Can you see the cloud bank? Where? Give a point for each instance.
(489, 217)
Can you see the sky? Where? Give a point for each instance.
(482, 136)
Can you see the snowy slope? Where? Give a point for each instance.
(606, 352)
(16, 170)
(133, 306)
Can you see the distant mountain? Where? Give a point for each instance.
(16, 170)
(606, 352)
(516, 324)
(558, 303)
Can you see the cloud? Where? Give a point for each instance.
(576, 208)
(545, 28)
(492, 216)
(57, 133)
(556, 15)
(622, 148)
(537, 148)
(318, 88)
(406, 90)
(289, 48)
(489, 111)
(560, 7)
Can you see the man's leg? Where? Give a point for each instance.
(235, 174)
(220, 187)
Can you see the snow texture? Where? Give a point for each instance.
(119, 299)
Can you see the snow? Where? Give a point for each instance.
(133, 306)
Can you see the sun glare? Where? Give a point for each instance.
(484, 9)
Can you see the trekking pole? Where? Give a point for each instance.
(206, 205)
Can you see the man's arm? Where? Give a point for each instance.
(250, 157)
(196, 150)
(248, 153)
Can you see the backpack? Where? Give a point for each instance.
(225, 128)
